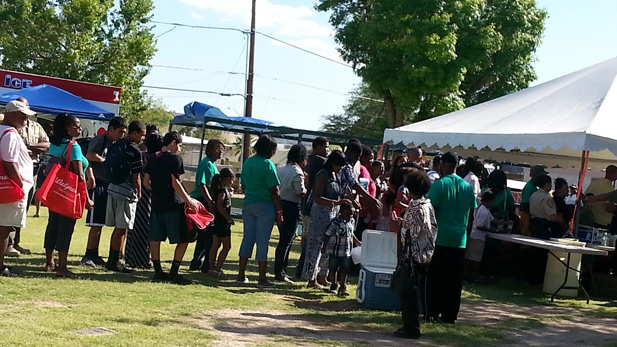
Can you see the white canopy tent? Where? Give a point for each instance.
(551, 123)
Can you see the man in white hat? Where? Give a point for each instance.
(37, 142)
(15, 159)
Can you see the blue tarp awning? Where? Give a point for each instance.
(198, 114)
(51, 100)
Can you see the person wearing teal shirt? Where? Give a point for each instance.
(528, 190)
(453, 199)
(261, 207)
(205, 171)
(60, 228)
(504, 201)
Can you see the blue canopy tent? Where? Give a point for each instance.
(51, 100)
(198, 114)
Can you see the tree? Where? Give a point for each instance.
(156, 114)
(364, 116)
(236, 151)
(426, 58)
(84, 40)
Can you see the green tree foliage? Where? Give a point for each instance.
(237, 147)
(364, 116)
(156, 114)
(429, 57)
(100, 41)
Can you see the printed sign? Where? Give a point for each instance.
(105, 97)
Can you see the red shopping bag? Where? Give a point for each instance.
(199, 218)
(9, 190)
(62, 192)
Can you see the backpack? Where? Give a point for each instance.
(84, 142)
(116, 163)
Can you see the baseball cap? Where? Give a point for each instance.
(18, 106)
(537, 170)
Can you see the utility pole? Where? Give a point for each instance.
(248, 105)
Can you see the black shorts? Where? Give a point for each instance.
(220, 228)
(342, 264)
(96, 216)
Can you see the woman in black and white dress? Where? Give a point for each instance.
(137, 250)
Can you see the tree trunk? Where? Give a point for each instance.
(394, 118)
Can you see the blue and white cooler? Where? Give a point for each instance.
(378, 260)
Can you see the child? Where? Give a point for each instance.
(221, 230)
(337, 242)
(477, 239)
(382, 222)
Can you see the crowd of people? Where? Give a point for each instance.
(133, 176)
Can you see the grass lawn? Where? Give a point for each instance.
(38, 309)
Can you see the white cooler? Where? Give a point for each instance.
(378, 259)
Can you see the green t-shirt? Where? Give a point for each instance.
(504, 203)
(206, 169)
(258, 176)
(453, 199)
(529, 189)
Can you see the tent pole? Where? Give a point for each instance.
(581, 178)
(203, 136)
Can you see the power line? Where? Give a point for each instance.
(257, 32)
(200, 26)
(177, 67)
(193, 91)
(319, 88)
(302, 49)
(167, 32)
(268, 77)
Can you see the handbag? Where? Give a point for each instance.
(307, 203)
(9, 190)
(62, 192)
(403, 277)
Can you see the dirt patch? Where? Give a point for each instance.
(545, 325)
(250, 328)
(528, 326)
(45, 303)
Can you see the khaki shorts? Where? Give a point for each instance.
(120, 213)
(14, 213)
(475, 249)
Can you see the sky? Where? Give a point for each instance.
(294, 88)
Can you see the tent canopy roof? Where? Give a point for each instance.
(52, 100)
(572, 113)
(197, 114)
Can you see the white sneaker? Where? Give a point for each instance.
(12, 252)
(242, 280)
